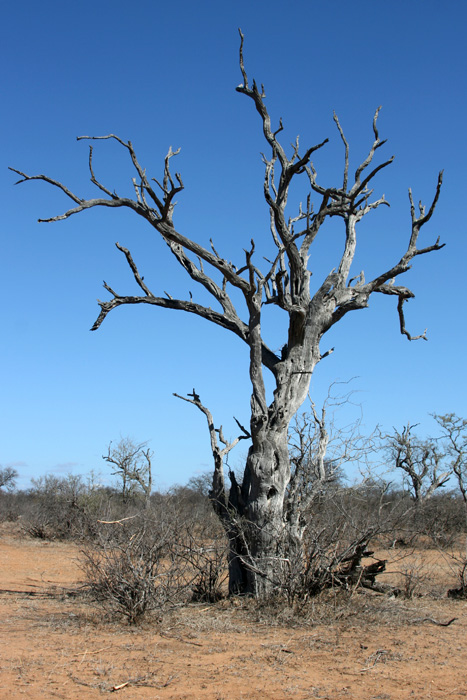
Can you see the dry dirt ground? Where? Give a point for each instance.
(368, 647)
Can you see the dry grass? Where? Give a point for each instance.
(342, 644)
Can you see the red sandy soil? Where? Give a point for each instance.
(52, 645)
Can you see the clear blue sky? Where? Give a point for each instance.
(164, 74)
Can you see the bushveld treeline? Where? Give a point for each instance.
(139, 555)
(142, 549)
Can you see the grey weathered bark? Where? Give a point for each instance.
(257, 507)
(227, 512)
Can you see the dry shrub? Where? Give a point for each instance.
(67, 508)
(413, 580)
(152, 562)
(343, 526)
(460, 593)
(128, 578)
(209, 567)
(459, 563)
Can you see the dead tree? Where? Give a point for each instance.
(133, 465)
(454, 437)
(318, 452)
(420, 461)
(261, 499)
(8, 477)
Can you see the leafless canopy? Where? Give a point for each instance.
(420, 460)
(132, 463)
(454, 438)
(280, 284)
(283, 282)
(8, 477)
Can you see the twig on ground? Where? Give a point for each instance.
(180, 639)
(376, 657)
(435, 622)
(119, 687)
(88, 653)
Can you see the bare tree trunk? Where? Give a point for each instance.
(260, 533)
(254, 512)
(267, 475)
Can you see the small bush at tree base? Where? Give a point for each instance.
(124, 578)
(132, 573)
(461, 591)
(152, 561)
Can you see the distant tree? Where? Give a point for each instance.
(201, 483)
(255, 511)
(133, 466)
(319, 450)
(60, 507)
(421, 462)
(454, 437)
(8, 477)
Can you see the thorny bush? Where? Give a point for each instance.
(153, 561)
